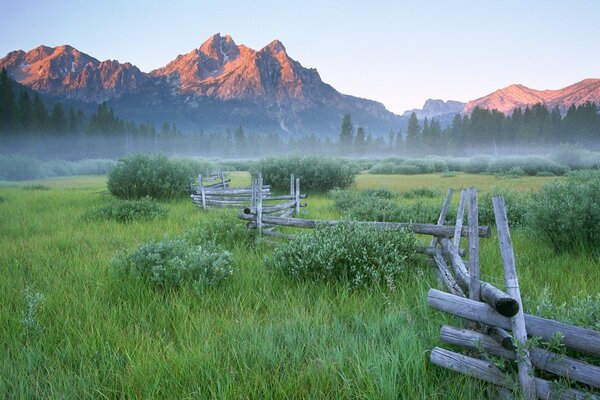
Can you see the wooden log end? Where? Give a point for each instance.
(247, 210)
(507, 306)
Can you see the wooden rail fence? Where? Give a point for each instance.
(488, 313)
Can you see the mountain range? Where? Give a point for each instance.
(218, 85)
(221, 85)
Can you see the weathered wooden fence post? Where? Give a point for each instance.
(253, 195)
(202, 191)
(292, 185)
(222, 179)
(297, 196)
(474, 274)
(512, 287)
(443, 214)
(259, 204)
(460, 216)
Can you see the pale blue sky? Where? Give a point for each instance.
(396, 52)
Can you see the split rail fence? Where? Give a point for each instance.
(488, 312)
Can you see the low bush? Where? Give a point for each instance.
(517, 206)
(385, 168)
(377, 206)
(172, 263)
(529, 165)
(152, 175)
(17, 167)
(356, 255)
(581, 311)
(128, 210)
(223, 229)
(421, 192)
(36, 186)
(567, 213)
(477, 164)
(316, 173)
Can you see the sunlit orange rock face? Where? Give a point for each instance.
(513, 96)
(66, 71)
(219, 68)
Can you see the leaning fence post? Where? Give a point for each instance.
(460, 216)
(259, 204)
(222, 179)
(253, 196)
(443, 214)
(512, 288)
(297, 196)
(474, 274)
(291, 185)
(202, 191)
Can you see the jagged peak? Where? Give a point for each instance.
(275, 46)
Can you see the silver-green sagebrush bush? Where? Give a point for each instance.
(144, 209)
(172, 263)
(566, 214)
(357, 255)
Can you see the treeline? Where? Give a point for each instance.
(27, 126)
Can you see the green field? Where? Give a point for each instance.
(257, 336)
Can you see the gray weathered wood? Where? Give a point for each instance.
(500, 301)
(443, 214)
(576, 338)
(512, 286)
(292, 194)
(425, 229)
(253, 200)
(235, 191)
(487, 372)
(473, 218)
(297, 196)
(270, 232)
(557, 364)
(202, 194)
(460, 216)
(259, 204)
(502, 337)
(470, 366)
(446, 275)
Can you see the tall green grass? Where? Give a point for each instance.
(259, 335)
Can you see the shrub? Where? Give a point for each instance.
(582, 311)
(316, 173)
(37, 186)
(172, 263)
(17, 167)
(223, 229)
(93, 166)
(530, 165)
(421, 192)
(128, 210)
(567, 213)
(373, 206)
(153, 175)
(386, 168)
(357, 255)
(477, 164)
(517, 206)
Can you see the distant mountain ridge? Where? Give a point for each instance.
(519, 96)
(218, 85)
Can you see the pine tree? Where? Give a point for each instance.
(346, 134)
(8, 105)
(58, 121)
(25, 113)
(360, 142)
(39, 115)
(413, 135)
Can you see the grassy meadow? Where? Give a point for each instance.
(258, 335)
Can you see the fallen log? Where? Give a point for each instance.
(488, 372)
(576, 338)
(425, 229)
(557, 364)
